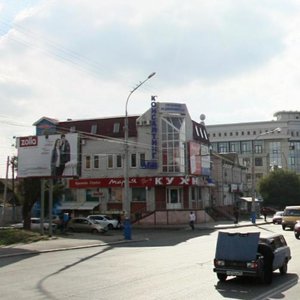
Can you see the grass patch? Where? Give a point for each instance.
(9, 236)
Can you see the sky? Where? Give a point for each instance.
(233, 61)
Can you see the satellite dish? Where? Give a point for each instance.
(202, 117)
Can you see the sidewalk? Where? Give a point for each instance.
(81, 240)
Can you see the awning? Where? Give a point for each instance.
(88, 205)
(69, 205)
(249, 199)
(78, 205)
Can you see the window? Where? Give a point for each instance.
(94, 129)
(258, 148)
(258, 161)
(110, 161)
(72, 129)
(142, 159)
(133, 162)
(223, 147)
(115, 194)
(87, 163)
(119, 160)
(246, 147)
(173, 130)
(139, 194)
(116, 128)
(96, 162)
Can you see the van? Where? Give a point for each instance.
(290, 216)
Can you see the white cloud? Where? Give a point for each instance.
(231, 60)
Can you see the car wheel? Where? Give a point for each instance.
(71, 229)
(283, 268)
(94, 231)
(297, 236)
(267, 276)
(283, 227)
(222, 277)
(110, 226)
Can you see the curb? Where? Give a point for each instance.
(35, 252)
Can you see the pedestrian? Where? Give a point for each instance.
(192, 220)
(236, 214)
(264, 212)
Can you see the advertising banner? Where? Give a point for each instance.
(48, 156)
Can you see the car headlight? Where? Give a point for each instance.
(219, 263)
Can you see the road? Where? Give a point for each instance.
(173, 264)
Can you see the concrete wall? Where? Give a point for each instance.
(174, 217)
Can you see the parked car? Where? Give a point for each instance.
(246, 254)
(105, 221)
(290, 216)
(277, 217)
(297, 230)
(35, 225)
(85, 225)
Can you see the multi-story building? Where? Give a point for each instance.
(169, 163)
(261, 146)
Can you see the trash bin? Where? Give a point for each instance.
(127, 229)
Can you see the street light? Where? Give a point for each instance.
(126, 202)
(253, 210)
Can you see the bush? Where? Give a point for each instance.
(9, 236)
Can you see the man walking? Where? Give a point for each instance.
(192, 220)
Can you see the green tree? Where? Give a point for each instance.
(30, 189)
(280, 188)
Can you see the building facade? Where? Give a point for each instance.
(169, 162)
(261, 145)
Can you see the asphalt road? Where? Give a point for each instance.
(172, 264)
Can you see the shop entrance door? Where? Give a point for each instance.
(174, 198)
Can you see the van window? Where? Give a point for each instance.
(292, 212)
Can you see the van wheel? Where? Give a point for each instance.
(283, 269)
(222, 277)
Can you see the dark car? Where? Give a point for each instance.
(297, 230)
(246, 254)
(277, 217)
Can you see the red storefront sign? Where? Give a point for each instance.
(136, 182)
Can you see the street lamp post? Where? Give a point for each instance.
(253, 210)
(126, 201)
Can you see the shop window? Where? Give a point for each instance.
(115, 194)
(139, 194)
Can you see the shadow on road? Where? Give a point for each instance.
(243, 287)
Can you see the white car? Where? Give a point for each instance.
(105, 221)
(36, 225)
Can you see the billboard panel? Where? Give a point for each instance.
(44, 156)
(195, 159)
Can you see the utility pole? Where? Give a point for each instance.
(5, 191)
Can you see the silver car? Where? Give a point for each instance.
(85, 225)
(105, 221)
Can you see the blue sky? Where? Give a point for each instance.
(234, 61)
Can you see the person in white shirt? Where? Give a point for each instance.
(192, 220)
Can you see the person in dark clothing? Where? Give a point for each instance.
(65, 154)
(236, 214)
